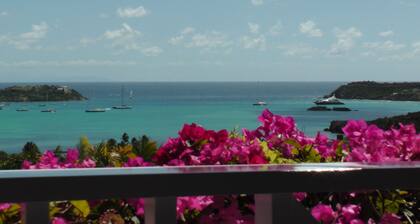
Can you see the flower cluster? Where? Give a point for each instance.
(50, 161)
(276, 140)
(369, 143)
(348, 214)
(198, 146)
(282, 134)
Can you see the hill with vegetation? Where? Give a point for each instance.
(398, 91)
(385, 123)
(33, 93)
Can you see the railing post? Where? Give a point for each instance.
(280, 208)
(160, 210)
(36, 213)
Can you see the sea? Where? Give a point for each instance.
(159, 110)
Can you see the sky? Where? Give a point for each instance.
(217, 40)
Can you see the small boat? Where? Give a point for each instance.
(123, 106)
(22, 110)
(42, 105)
(260, 103)
(329, 101)
(48, 111)
(96, 110)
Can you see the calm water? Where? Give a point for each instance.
(160, 109)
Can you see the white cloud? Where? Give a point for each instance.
(27, 40)
(310, 28)
(4, 13)
(178, 39)
(387, 33)
(276, 29)
(299, 50)
(416, 47)
(78, 62)
(187, 30)
(386, 46)
(345, 40)
(152, 51)
(125, 32)
(209, 40)
(257, 2)
(413, 52)
(39, 31)
(189, 38)
(129, 12)
(257, 42)
(125, 38)
(254, 28)
(367, 54)
(128, 39)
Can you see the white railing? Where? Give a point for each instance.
(272, 186)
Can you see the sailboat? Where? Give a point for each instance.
(49, 110)
(23, 109)
(95, 110)
(123, 106)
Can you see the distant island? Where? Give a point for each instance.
(385, 123)
(34, 93)
(368, 90)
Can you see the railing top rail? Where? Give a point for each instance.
(62, 184)
(207, 169)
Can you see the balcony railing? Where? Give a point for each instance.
(272, 186)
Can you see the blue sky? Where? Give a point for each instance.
(217, 40)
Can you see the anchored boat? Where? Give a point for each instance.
(329, 101)
(123, 106)
(260, 103)
(48, 111)
(95, 110)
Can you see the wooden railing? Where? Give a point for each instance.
(272, 186)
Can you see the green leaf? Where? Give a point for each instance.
(82, 206)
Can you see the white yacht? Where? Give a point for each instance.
(329, 101)
(260, 103)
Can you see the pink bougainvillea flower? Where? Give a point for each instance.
(58, 220)
(350, 212)
(48, 161)
(197, 204)
(4, 206)
(88, 163)
(355, 128)
(138, 204)
(300, 196)
(134, 162)
(324, 213)
(390, 218)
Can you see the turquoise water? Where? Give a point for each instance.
(160, 110)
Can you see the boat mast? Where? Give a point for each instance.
(122, 95)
